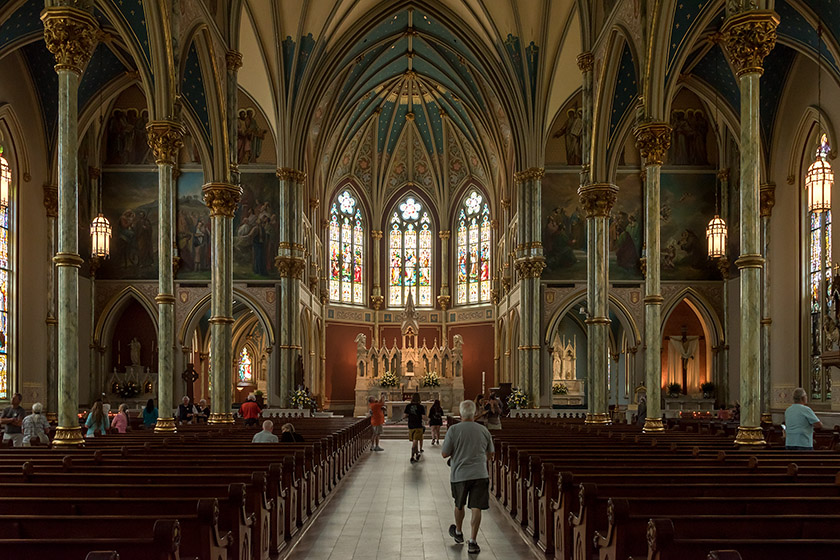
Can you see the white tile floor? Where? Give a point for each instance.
(389, 508)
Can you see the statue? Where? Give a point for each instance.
(361, 343)
(457, 341)
(134, 346)
(832, 334)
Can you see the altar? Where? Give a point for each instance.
(394, 410)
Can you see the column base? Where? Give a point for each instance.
(597, 418)
(653, 425)
(766, 418)
(165, 426)
(220, 418)
(68, 437)
(752, 436)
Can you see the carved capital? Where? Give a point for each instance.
(585, 61)
(290, 267)
(289, 174)
(723, 174)
(51, 200)
(221, 198)
(444, 235)
(533, 174)
(443, 302)
(530, 267)
(165, 139)
(598, 199)
(314, 203)
(71, 35)
(376, 234)
(749, 37)
(653, 140)
(376, 302)
(768, 199)
(505, 203)
(233, 60)
(723, 265)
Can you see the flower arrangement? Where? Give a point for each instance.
(517, 399)
(674, 389)
(389, 379)
(431, 379)
(708, 389)
(559, 389)
(300, 399)
(128, 390)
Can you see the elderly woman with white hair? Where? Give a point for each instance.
(36, 426)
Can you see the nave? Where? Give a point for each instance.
(389, 508)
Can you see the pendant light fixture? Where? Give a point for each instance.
(100, 228)
(716, 232)
(820, 177)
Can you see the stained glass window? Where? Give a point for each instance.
(410, 254)
(5, 273)
(473, 250)
(246, 374)
(346, 250)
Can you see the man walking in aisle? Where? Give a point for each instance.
(470, 447)
(416, 413)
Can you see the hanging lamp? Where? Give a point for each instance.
(820, 177)
(100, 227)
(716, 232)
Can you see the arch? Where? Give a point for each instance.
(202, 305)
(699, 305)
(810, 117)
(113, 311)
(19, 157)
(513, 348)
(622, 313)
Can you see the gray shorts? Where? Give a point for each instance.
(477, 490)
(377, 430)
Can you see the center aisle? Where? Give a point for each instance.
(388, 508)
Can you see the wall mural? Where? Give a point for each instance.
(131, 205)
(192, 231)
(250, 136)
(256, 228)
(687, 205)
(125, 137)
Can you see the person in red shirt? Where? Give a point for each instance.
(250, 411)
(377, 419)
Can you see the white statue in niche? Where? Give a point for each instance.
(134, 347)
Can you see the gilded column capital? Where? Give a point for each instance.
(221, 198)
(652, 140)
(505, 203)
(749, 37)
(444, 235)
(51, 200)
(530, 267)
(585, 61)
(443, 301)
(314, 203)
(233, 60)
(532, 174)
(598, 199)
(723, 174)
(71, 35)
(376, 302)
(376, 234)
(165, 139)
(767, 194)
(290, 267)
(289, 174)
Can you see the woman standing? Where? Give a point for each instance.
(150, 414)
(120, 420)
(97, 420)
(436, 420)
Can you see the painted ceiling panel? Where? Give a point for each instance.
(427, 25)
(423, 127)
(385, 118)
(40, 62)
(776, 69)
(25, 21)
(259, 22)
(363, 65)
(397, 127)
(563, 86)
(626, 88)
(192, 85)
(254, 75)
(685, 14)
(103, 67)
(795, 28)
(829, 13)
(714, 70)
(133, 14)
(288, 15)
(393, 27)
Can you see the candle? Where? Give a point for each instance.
(482, 382)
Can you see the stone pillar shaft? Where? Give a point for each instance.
(444, 299)
(767, 196)
(51, 206)
(376, 299)
(722, 382)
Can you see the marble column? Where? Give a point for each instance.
(598, 199)
(723, 264)
(749, 38)
(767, 197)
(71, 35)
(444, 299)
(376, 299)
(290, 264)
(222, 199)
(51, 206)
(653, 139)
(530, 264)
(166, 139)
(233, 61)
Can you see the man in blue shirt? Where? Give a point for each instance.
(800, 422)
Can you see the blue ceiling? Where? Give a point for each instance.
(626, 89)
(776, 69)
(307, 43)
(795, 28)
(714, 70)
(103, 67)
(685, 15)
(828, 11)
(40, 62)
(192, 86)
(132, 12)
(25, 21)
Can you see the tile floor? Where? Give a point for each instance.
(389, 508)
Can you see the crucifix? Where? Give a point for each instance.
(683, 341)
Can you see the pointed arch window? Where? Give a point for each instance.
(410, 254)
(246, 372)
(473, 250)
(346, 250)
(5, 271)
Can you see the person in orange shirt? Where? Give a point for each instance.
(250, 411)
(377, 419)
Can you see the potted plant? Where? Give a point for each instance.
(674, 390)
(708, 389)
(517, 399)
(559, 389)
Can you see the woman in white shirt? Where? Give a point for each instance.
(35, 426)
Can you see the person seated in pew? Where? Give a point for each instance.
(150, 414)
(202, 412)
(250, 411)
(97, 420)
(120, 422)
(800, 422)
(36, 426)
(186, 411)
(266, 435)
(289, 435)
(12, 421)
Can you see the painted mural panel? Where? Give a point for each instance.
(687, 205)
(256, 228)
(130, 203)
(627, 228)
(193, 233)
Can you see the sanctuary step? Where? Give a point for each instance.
(400, 431)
